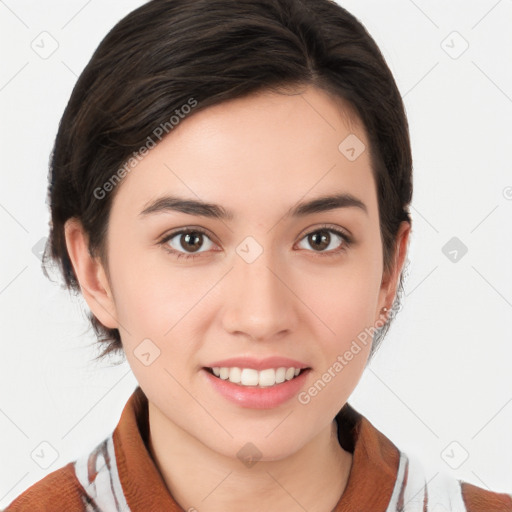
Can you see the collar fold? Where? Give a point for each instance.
(369, 487)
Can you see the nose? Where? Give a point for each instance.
(261, 304)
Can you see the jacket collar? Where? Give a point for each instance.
(369, 487)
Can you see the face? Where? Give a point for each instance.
(258, 282)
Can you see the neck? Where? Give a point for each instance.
(313, 478)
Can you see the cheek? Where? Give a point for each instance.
(158, 300)
(344, 298)
(342, 353)
(147, 292)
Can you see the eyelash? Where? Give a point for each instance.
(347, 241)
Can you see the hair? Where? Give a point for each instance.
(168, 54)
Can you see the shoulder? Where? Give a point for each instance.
(414, 486)
(441, 492)
(478, 499)
(91, 482)
(59, 488)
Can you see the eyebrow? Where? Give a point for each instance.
(203, 209)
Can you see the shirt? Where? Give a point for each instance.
(120, 475)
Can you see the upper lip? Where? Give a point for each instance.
(258, 364)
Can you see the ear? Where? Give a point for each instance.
(390, 280)
(91, 275)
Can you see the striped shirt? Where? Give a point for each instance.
(119, 475)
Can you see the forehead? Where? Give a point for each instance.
(262, 150)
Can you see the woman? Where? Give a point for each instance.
(229, 191)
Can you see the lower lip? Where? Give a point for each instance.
(255, 397)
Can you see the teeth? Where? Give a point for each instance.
(290, 373)
(235, 375)
(251, 377)
(280, 375)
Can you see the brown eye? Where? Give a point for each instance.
(191, 240)
(186, 242)
(319, 239)
(327, 240)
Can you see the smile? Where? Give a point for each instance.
(254, 378)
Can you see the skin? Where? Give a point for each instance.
(257, 156)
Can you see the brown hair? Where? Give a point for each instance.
(168, 51)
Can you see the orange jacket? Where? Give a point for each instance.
(120, 475)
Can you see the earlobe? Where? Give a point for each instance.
(90, 274)
(389, 285)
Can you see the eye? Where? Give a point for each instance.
(185, 240)
(181, 242)
(322, 238)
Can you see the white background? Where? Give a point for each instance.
(443, 373)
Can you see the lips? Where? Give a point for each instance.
(256, 396)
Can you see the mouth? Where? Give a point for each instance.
(251, 378)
